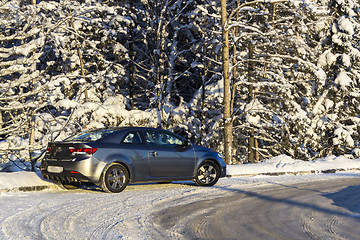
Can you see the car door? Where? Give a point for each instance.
(137, 151)
(169, 155)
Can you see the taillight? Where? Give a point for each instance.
(48, 149)
(89, 151)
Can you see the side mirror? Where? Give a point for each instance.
(186, 144)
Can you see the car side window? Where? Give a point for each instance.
(132, 138)
(162, 139)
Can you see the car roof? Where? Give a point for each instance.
(125, 130)
(132, 128)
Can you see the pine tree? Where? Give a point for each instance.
(336, 110)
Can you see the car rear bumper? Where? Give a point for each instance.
(71, 171)
(66, 176)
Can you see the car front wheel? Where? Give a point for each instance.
(115, 178)
(207, 174)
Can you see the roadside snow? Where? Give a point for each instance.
(285, 164)
(18, 180)
(280, 164)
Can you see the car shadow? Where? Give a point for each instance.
(91, 188)
(141, 186)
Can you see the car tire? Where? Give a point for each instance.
(115, 178)
(207, 174)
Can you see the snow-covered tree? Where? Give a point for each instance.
(74, 65)
(22, 40)
(48, 57)
(280, 87)
(334, 125)
(261, 60)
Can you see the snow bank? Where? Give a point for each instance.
(283, 163)
(18, 180)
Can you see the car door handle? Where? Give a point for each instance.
(154, 154)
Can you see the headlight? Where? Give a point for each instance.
(220, 155)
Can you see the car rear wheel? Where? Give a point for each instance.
(207, 174)
(115, 178)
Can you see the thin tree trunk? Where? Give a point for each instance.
(159, 68)
(204, 77)
(228, 137)
(31, 142)
(256, 145)
(273, 14)
(234, 70)
(32, 129)
(80, 58)
(131, 62)
(251, 154)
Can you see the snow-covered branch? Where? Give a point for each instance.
(233, 12)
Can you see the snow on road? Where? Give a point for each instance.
(89, 213)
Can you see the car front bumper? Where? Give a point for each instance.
(223, 171)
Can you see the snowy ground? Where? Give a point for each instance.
(134, 213)
(89, 213)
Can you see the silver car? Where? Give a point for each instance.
(111, 158)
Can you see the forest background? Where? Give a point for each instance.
(69, 66)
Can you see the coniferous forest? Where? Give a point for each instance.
(69, 66)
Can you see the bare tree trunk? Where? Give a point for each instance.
(80, 58)
(159, 64)
(273, 14)
(228, 137)
(131, 75)
(32, 128)
(256, 143)
(32, 141)
(204, 78)
(234, 70)
(131, 62)
(251, 152)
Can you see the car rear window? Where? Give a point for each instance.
(89, 136)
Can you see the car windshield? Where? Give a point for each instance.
(89, 136)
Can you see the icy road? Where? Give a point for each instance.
(325, 206)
